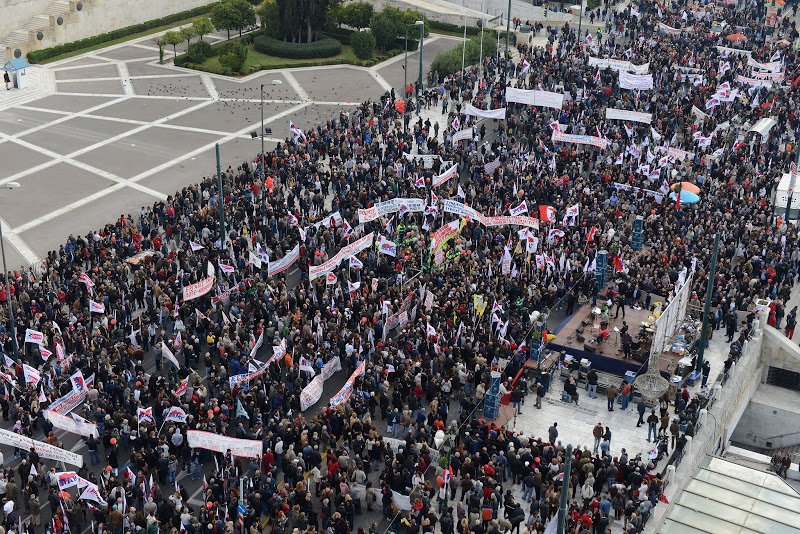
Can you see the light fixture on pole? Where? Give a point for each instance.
(263, 169)
(9, 185)
(405, 73)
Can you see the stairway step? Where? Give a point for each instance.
(58, 8)
(15, 38)
(37, 23)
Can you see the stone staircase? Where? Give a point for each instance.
(40, 27)
(794, 452)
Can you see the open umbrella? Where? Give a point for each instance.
(736, 38)
(686, 186)
(687, 197)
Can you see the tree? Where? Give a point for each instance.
(358, 15)
(172, 38)
(202, 26)
(233, 57)
(159, 42)
(223, 17)
(271, 22)
(310, 15)
(187, 34)
(243, 14)
(384, 28)
(363, 44)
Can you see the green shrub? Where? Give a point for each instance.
(37, 56)
(448, 63)
(363, 44)
(453, 28)
(232, 56)
(199, 51)
(325, 47)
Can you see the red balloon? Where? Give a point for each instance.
(216, 409)
(113, 441)
(210, 413)
(209, 505)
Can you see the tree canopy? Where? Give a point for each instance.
(296, 20)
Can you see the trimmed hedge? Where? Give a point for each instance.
(213, 50)
(37, 56)
(447, 63)
(325, 47)
(454, 28)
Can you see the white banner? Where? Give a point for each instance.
(284, 263)
(344, 253)
(471, 110)
(243, 448)
(393, 205)
(619, 65)
(625, 115)
(462, 135)
(635, 81)
(599, 142)
(753, 81)
(442, 178)
(313, 391)
(69, 424)
(545, 99)
(725, 51)
(775, 66)
(45, 450)
(669, 30)
(68, 402)
(198, 289)
(451, 206)
(34, 336)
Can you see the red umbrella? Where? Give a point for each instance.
(736, 37)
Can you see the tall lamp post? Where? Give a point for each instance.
(405, 73)
(421, 24)
(263, 169)
(579, 9)
(9, 185)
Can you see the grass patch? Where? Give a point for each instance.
(131, 37)
(256, 61)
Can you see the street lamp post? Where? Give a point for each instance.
(263, 168)
(405, 74)
(220, 202)
(10, 185)
(421, 24)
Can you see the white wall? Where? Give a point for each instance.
(15, 13)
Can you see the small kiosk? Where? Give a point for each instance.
(18, 71)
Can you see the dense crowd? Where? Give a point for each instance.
(424, 381)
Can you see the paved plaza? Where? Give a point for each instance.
(107, 132)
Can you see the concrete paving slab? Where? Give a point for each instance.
(188, 86)
(144, 68)
(251, 89)
(15, 158)
(393, 72)
(145, 109)
(192, 170)
(52, 235)
(306, 118)
(14, 259)
(340, 84)
(75, 134)
(228, 116)
(88, 72)
(127, 53)
(13, 121)
(105, 87)
(88, 61)
(70, 103)
(50, 189)
(137, 153)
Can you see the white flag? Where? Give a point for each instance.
(168, 355)
(96, 307)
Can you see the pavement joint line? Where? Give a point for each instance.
(76, 67)
(125, 77)
(146, 174)
(292, 81)
(208, 83)
(380, 79)
(121, 65)
(18, 243)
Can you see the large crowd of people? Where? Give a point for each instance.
(111, 303)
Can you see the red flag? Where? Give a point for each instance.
(663, 498)
(547, 213)
(591, 234)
